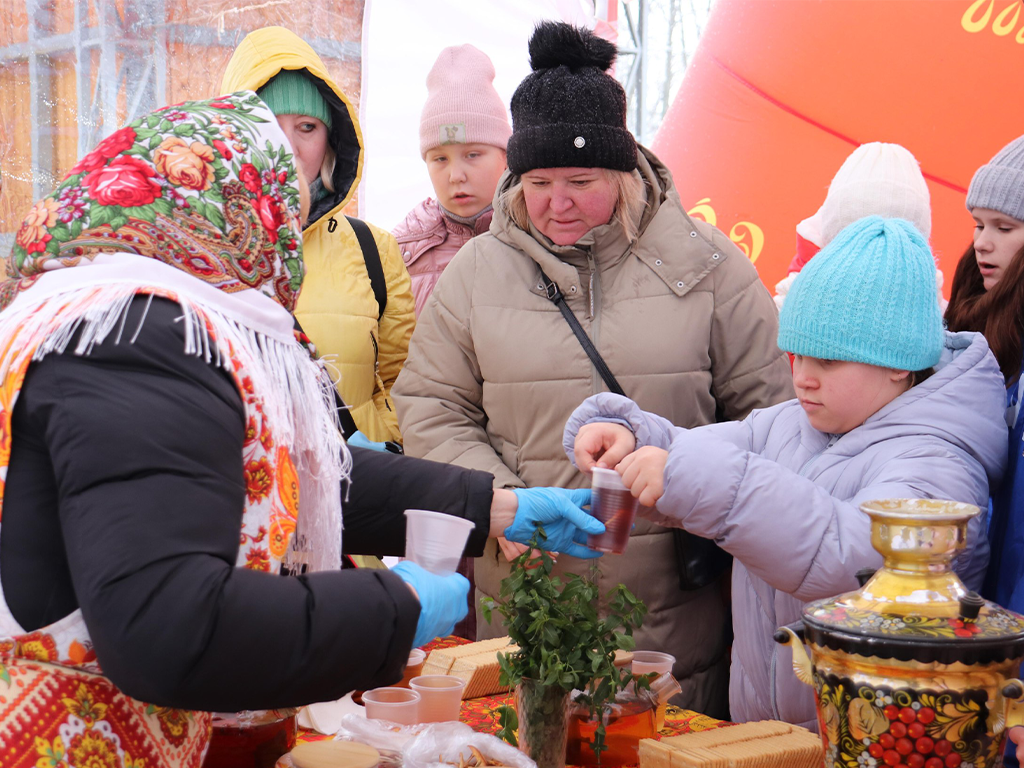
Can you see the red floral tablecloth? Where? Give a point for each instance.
(479, 713)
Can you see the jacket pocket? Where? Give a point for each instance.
(415, 247)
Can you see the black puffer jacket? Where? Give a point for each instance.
(124, 498)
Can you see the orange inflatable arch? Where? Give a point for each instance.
(781, 91)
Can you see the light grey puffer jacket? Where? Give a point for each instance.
(784, 499)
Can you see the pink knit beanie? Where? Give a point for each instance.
(462, 106)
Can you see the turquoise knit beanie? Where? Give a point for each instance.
(290, 92)
(867, 297)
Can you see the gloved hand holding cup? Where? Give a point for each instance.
(560, 512)
(443, 600)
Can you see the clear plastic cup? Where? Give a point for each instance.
(440, 697)
(413, 667)
(435, 541)
(652, 662)
(397, 705)
(613, 505)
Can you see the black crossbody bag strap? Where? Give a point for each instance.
(700, 561)
(374, 268)
(556, 297)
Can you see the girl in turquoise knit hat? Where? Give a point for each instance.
(879, 414)
(988, 295)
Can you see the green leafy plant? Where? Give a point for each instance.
(563, 641)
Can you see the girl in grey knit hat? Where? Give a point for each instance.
(988, 296)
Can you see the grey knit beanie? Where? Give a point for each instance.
(1000, 184)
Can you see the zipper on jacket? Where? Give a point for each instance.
(376, 370)
(590, 289)
(832, 440)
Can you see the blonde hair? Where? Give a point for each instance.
(327, 169)
(630, 201)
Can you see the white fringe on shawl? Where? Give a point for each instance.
(298, 396)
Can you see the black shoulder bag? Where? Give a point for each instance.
(700, 561)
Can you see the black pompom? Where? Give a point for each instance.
(556, 43)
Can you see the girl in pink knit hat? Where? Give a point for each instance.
(464, 129)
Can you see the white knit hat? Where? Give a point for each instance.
(876, 180)
(462, 106)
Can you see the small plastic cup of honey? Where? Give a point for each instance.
(397, 705)
(440, 697)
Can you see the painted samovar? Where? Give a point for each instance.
(912, 670)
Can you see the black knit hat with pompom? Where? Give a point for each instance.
(568, 113)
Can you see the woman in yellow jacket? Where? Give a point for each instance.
(338, 308)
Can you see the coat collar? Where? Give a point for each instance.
(664, 226)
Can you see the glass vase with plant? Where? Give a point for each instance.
(564, 645)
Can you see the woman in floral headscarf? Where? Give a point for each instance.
(160, 425)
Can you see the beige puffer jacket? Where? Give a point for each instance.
(494, 371)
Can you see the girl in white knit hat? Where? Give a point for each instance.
(877, 179)
(464, 129)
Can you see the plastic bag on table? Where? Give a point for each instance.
(390, 739)
(452, 741)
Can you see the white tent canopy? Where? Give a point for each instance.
(401, 41)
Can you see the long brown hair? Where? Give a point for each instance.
(998, 313)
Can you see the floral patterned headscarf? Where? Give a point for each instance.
(208, 187)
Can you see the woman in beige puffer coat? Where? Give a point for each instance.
(675, 309)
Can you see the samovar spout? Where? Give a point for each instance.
(793, 637)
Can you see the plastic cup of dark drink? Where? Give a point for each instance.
(613, 505)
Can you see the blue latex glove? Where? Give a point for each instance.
(442, 600)
(359, 440)
(560, 512)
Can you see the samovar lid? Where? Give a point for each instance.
(915, 606)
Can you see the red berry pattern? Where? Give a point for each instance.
(906, 745)
(873, 727)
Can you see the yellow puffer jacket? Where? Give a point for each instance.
(337, 308)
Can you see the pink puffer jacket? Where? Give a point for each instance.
(428, 240)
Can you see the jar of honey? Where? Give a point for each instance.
(251, 739)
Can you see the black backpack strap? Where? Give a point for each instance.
(556, 297)
(373, 266)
